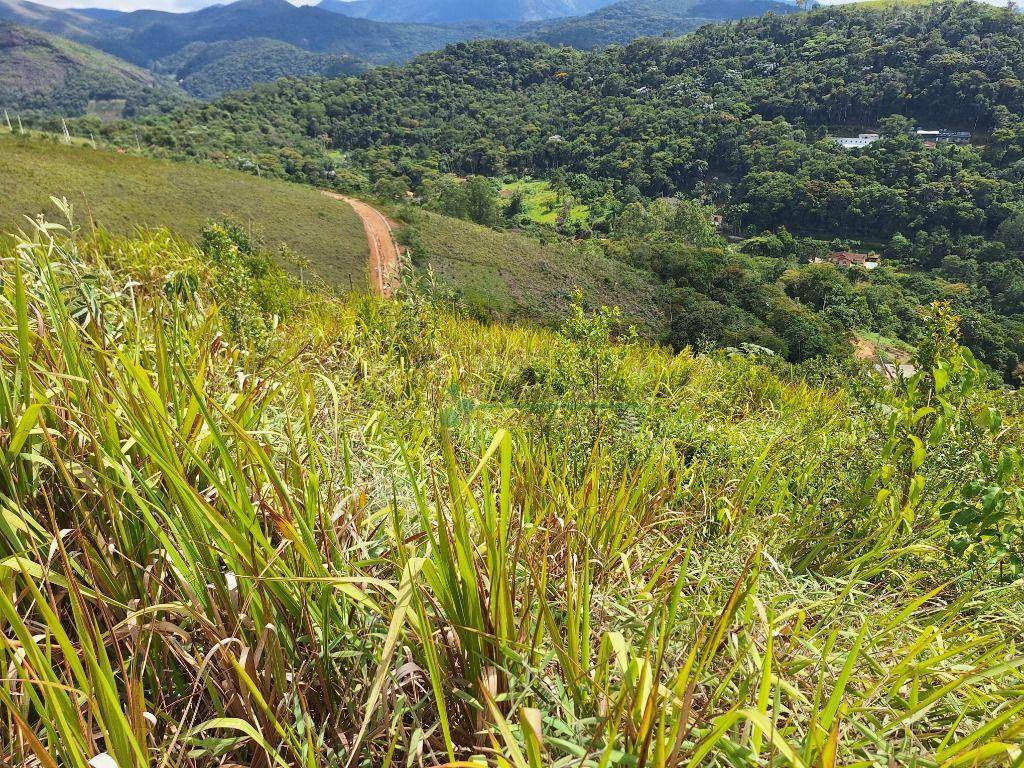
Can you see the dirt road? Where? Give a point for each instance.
(383, 248)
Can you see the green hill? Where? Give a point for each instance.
(627, 20)
(497, 274)
(208, 70)
(122, 193)
(42, 72)
(511, 276)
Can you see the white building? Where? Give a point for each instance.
(856, 142)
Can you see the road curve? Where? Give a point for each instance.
(384, 263)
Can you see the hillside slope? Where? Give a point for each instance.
(626, 20)
(122, 193)
(509, 276)
(208, 70)
(44, 72)
(73, 24)
(367, 517)
(496, 274)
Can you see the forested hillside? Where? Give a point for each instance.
(208, 70)
(734, 114)
(43, 72)
(625, 21)
(231, 46)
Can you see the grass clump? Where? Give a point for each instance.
(371, 533)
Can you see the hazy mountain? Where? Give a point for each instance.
(74, 24)
(143, 37)
(230, 47)
(48, 73)
(627, 20)
(207, 70)
(441, 11)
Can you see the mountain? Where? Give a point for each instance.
(624, 21)
(207, 70)
(445, 11)
(74, 24)
(48, 73)
(228, 47)
(146, 36)
(152, 35)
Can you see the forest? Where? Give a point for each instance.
(736, 116)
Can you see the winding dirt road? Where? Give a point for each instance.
(384, 263)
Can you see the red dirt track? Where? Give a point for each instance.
(383, 248)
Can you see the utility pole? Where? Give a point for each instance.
(20, 129)
(92, 139)
(7, 117)
(67, 136)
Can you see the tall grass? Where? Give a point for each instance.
(381, 535)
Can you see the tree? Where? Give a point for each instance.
(481, 196)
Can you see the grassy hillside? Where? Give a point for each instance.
(507, 275)
(42, 72)
(121, 193)
(374, 534)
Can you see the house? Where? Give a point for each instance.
(718, 220)
(850, 259)
(942, 136)
(856, 142)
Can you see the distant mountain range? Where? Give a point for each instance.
(626, 20)
(448, 11)
(229, 47)
(144, 37)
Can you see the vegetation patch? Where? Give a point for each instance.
(507, 275)
(242, 523)
(539, 202)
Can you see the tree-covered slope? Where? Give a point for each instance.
(143, 37)
(51, 74)
(626, 20)
(735, 113)
(208, 70)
